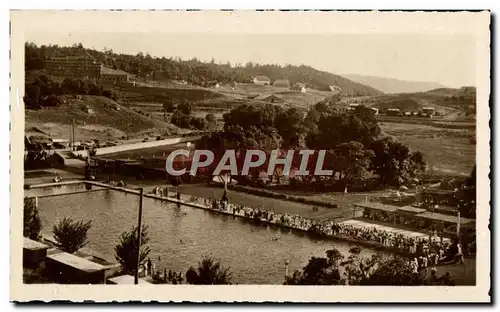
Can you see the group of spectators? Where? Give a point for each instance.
(434, 250)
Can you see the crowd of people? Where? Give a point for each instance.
(435, 250)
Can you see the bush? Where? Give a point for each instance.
(126, 251)
(71, 235)
(209, 272)
(32, 223)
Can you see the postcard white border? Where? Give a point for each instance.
(476, 24)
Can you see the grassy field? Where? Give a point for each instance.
(449, 151)
(95, 117)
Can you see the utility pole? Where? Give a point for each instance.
(71, 138)
(139, 223)
(73, 130)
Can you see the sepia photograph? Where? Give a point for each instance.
(273, 151)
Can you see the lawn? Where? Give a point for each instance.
(447, 151)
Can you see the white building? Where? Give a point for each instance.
(262, 80)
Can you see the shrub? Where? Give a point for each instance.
(209, 272)
(71, 235)
(126, 251)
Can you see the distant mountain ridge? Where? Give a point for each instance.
(391, 85)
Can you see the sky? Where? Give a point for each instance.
(445, 58)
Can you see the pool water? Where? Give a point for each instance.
(180, 236)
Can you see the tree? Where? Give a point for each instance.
(168, 107)
(71, 235)
(209, 272)
(356, 270)
(330, 127)
(210, 118)
(352, 161)
(180, 119)
(197, 123)
(359, 269)
(394, 162)
(319, 271)
(126, 251)
(185, 108)
(290, 125)
(393, 271)
(32, 223)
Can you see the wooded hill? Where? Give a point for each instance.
(194, 71)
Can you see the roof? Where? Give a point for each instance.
(126, 279)
(411, 209)
(429, 108)
(33, 245)
(76, 262)
(273, 97)
(336, 88)
(262, 78)
(40, 140)
(377, 206)
(34, 130)
(281, 81)
(60, 141)
(110, 71)
(443, 217)
(446, 208)
(393, 109)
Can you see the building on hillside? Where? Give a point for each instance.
(284, 83)
(273, 99)
(262, 80)
(352, 106)
(374, 110)
(335, 89)
(393, 112)
(300, 87)
(429, 110)
(114, 75)
(74, 66)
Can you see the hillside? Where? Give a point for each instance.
(148, 68)
(454, 104)
(390, 85)
(96, 117)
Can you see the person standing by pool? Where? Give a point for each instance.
(149, 266)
